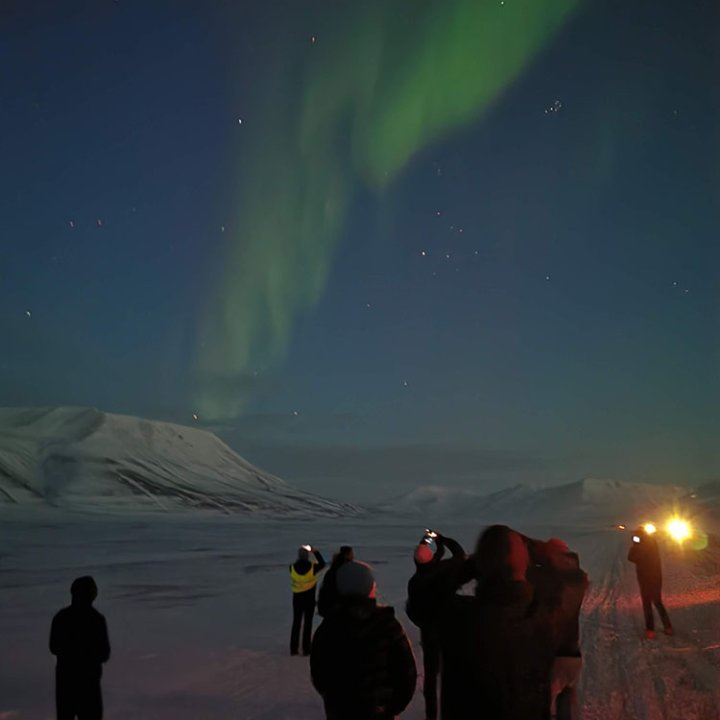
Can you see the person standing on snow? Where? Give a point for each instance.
(644, 552)
(79, 640)
(558, 579)
(428, 556)
(328, 596)
(497, 647)
(303, 579)
(361, 662)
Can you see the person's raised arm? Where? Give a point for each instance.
(320, 564)
(455, 548)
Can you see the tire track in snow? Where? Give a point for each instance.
(628, 677)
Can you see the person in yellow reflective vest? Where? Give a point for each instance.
(303, 579)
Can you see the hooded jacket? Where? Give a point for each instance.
(79, 639)
(362, 663)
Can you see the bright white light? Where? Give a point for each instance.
(678, 529)
(649, 528)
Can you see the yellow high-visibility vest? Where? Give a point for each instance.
(301, 583)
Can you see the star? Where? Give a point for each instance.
(423, 253)
(239, 121)
(313, 39)
(99, 222)
(295, 413)
(405, 383)
(222, 228)
(195, 417)
(547, 277)
(438, 213)
(72, 223)
(28, 313)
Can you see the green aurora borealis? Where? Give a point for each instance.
(379, 85)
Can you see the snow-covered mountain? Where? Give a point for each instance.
(598, 500)
(81, 458)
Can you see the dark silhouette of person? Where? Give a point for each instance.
(361, 662)
(497, 647)
(557, 577)
(79, 640)
(303, 579)
(427, 556)
(328, 597)
(644, 552)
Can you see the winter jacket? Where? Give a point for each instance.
(435, 582)
(562, 585)
(646, 556)
(362, 663)
(497, 650)
(309, 569)
(79, 639)
(328, 598)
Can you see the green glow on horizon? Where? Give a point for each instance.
(385, 83)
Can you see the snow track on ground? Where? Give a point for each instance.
(669, 678)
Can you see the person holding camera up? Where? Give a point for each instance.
(303, 579)
(497, 647)
(428, 556)
(644, 552)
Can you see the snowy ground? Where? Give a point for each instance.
(198, 612)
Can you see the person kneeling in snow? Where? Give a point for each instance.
(361, 661)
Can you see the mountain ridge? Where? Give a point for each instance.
(82, 458)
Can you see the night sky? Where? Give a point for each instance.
(372, 244)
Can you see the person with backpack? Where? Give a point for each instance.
(361, 661)
(303, 580)
(79, 641)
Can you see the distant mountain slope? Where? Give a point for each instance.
(597, 500)
(81, 458)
